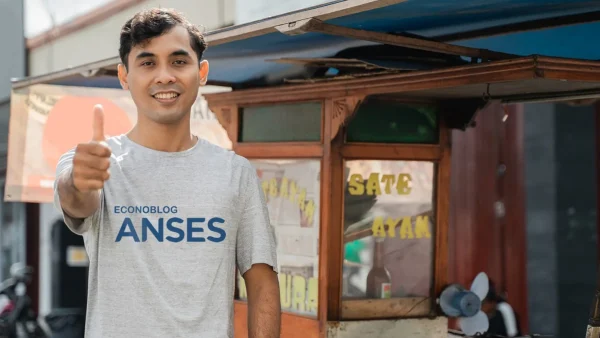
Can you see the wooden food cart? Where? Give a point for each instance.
(349, 130)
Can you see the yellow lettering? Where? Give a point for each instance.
(391, 223)
(296, 293)
(309, 212)
(378, 228)
(313, 294)
(422, 227)
(299, 293)
(403, 186)
(389, 182)
(285, 290)
(376, 181)
(355, 185)
(273, 187)
(373, 187)
(406, 230)
(284, 188)
(302, 199)
(293, 191)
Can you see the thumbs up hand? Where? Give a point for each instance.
(92, 159)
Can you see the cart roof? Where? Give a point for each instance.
(242, 56)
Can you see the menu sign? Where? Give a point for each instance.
(46, 121)
(388, 224)
(292, 193)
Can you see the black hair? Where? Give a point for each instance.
(150, 23)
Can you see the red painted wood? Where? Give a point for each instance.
(479, 240)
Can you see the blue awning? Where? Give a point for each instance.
(244, 54)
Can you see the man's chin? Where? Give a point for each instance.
(168, 117)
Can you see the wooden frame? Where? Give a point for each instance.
(333, 151)
(340, 99)
(440, 155)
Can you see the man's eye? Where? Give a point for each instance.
(147, 63)
(180, 62)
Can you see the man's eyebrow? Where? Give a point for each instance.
(180, 52)
(144, 55)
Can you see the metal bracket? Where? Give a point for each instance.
(318, 26)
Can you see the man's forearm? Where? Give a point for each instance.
(73, 202)
(264, 312)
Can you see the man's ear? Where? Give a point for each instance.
(122, 73)
(203, 72)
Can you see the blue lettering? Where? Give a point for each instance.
(171, 227)
(216, 229)
(191, 230)
(123, 231)
(158, 233)
(175, 226)
(116, 209)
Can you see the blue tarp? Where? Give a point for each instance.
(245, 60)
(240, 61)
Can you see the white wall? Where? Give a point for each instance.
(252, 10)
(48, 215)
(101, 41)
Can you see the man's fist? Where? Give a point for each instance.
(92, 160)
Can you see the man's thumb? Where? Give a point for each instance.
(98, 124)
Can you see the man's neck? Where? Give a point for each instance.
(163, 137)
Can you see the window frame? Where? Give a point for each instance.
(277, 103)
(286, 314)
(406, 101)
(332, 152)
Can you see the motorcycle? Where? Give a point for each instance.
(17, 318)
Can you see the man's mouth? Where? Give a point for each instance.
(166, 96)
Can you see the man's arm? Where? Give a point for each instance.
(264, 306)
(75, 203)
(81, 173)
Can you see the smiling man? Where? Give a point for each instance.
(166, 216)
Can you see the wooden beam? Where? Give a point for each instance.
(317, 26)
(282, 150)
(364, 309)
(292, 325)
(323, 12)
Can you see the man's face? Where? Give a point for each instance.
(163, 76)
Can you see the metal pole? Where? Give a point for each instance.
(593, 328)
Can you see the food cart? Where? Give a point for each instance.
(348, 126)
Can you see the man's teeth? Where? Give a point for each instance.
(166, 95)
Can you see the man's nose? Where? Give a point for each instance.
(164, 76)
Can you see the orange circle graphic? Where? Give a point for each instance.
(70, 122)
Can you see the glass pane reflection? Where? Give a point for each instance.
(388, 229)
(292, 192)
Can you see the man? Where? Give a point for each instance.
(165, 215)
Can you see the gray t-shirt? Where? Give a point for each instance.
(164, 245)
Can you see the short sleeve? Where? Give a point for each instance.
(256, 241)
(77, 225)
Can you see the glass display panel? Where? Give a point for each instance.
(292, 191)
(388, 229)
